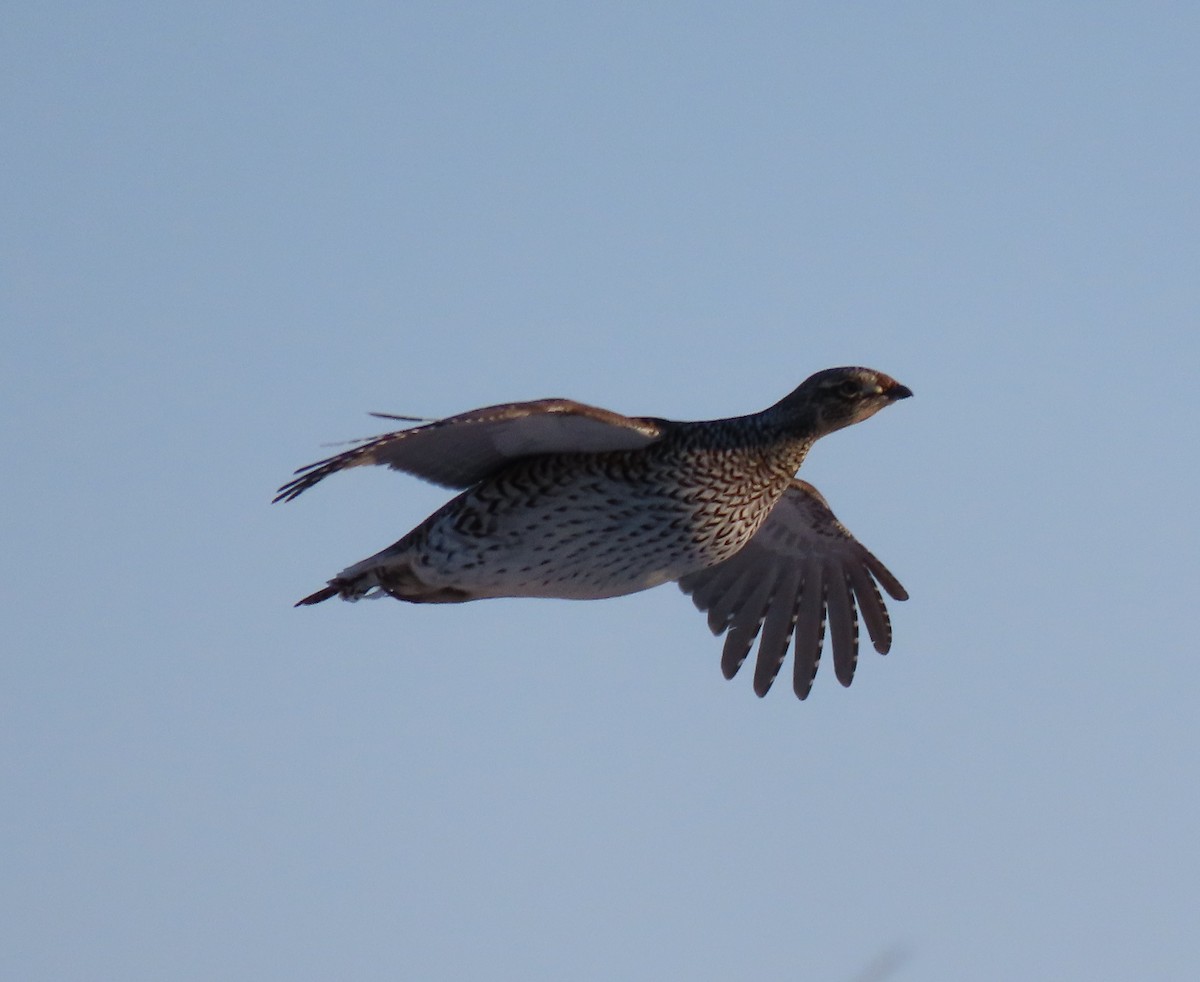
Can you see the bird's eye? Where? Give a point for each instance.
(850, 389)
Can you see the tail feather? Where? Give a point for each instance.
(353, 583)
(347, 587)
(373, 578)
(323, 594)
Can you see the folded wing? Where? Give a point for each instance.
(461, 450)
(801, 569)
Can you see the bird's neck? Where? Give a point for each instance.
(780, 439)
(791, 427)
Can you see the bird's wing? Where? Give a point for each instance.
(461, 450)
(799, 568)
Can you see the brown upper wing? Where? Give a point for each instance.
(461, 450)
(801, 567)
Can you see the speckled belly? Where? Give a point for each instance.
(585, 531)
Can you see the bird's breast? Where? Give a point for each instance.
(591, 526)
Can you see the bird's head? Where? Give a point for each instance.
(838, 397)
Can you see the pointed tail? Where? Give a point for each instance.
(323, 594)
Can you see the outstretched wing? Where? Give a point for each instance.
(801, 566)
(461, 450)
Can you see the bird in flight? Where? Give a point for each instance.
(561, 499)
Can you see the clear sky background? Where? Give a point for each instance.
(230, 229)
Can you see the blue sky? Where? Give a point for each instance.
(230, 230)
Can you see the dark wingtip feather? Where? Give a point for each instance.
(404, 419)
(885, 577)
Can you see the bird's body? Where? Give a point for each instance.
(585, 526)
(564, 500)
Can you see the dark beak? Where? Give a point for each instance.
(899, 391)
